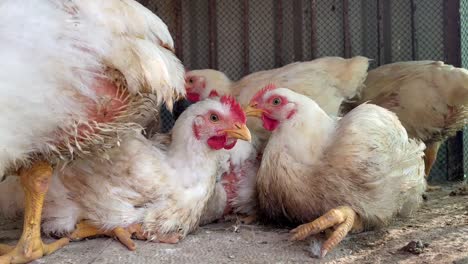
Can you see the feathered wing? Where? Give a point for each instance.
(214, 208)
(82, 189)
(384, 169)
(429, 97)
(71, 53)
(141, 47)
(369, 165)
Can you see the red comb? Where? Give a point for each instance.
(263, 91)
(235, 107)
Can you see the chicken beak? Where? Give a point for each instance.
(251, 110)
(240, 132)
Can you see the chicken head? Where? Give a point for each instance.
(202, 84)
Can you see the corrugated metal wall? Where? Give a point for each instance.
(243, 36)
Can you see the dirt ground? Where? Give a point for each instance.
(439, 231)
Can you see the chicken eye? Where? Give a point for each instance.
(190, 80)
(214, 118)
(276, 101)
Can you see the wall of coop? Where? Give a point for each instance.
(243, 36)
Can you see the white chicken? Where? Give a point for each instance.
(354, 173)
(429, 97)
(329, 81)
(76, 77)
(152, 187)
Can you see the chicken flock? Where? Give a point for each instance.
(324, 144)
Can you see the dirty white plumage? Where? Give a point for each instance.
(429, 98)
(329, 81)
(313, 163)
(76, 77)
(53, 53)
(162, 183)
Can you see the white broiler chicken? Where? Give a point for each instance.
(156, 188)
(353, 174)
(76, 77)
(429, 98)
(329, 81)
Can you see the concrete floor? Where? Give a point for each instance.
(442, 222)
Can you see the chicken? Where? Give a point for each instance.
(151, 187)
(76, 77)
(329, 81)
(429, 98)
(353, 173)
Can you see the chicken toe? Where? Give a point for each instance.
(85, 229)
(137, 231)
(343, 219)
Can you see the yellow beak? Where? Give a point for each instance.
(240, 132)
(253, 111)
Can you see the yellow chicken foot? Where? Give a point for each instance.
(342, 219)
(35, 182)
(138, 233)
(85, 229)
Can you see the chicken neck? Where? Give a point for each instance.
(306, 135)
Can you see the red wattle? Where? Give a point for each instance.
(230, 145)
(269, 124)
(217, 142)
(193, 97)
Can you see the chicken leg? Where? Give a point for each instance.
(84, 229)
(430, 156)
(35, 182)
(342, 219)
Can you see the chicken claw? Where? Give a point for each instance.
(137, 231)
(85, 229)
(342, 219)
